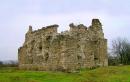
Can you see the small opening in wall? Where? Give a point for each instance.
(46, 56)
(95, 42)
(48, 38)
(79, 57)
(40, 48)
(95, 58)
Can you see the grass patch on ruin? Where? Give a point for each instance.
(103, 74)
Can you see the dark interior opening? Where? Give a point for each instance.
(40, 47)
(48, 38)
(95, 58)
(79, 57)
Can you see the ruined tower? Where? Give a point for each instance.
(80, 47)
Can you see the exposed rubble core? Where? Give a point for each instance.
(80, 47)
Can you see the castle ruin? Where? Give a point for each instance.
(80, 47)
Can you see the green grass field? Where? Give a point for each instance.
(104, 74)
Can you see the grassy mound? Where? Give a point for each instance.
(104, 74)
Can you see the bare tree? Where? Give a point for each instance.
(121, 49)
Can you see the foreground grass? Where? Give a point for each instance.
(104, 74)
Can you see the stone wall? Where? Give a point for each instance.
(80, 47)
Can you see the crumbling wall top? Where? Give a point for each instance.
(95, 22)
(52, 26)
(51, 29)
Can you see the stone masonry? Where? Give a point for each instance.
(80, 47)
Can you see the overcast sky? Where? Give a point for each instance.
(17, 15)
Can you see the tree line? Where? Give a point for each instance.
(9, 63)
(120, 52)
